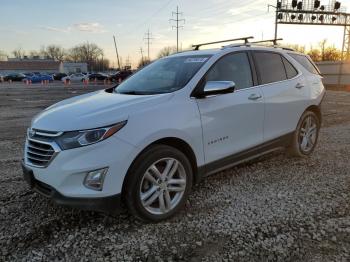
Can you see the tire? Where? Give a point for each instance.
(304, 139)
(146, 179)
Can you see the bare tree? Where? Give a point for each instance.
(86, 52)
(143, 62)
(332, 54)
(296, 47)
(18, 53)
(33, 53)
(73, 54)
(54, 52)
(322, 45)
(315, 54)
(166, 51)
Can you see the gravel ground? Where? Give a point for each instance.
(273, 209)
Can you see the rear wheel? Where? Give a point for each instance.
(158, 183)
(306, 135)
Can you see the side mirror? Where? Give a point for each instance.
(218, 88)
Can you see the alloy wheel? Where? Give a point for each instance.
(163, 186)
(308, 134)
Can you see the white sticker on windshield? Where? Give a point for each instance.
(196, 60)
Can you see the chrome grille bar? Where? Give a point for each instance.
(40, 153)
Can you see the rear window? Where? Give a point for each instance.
(306, 63)
(270, 66)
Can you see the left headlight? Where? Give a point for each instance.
(75, 139)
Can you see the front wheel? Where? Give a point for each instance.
(306, 135)
(158, 183)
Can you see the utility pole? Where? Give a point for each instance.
(276, 17)
(148, 38)
(141, 51)
(116, 50)
(128, 63)
(177, 20)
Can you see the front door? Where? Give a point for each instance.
(232, 122)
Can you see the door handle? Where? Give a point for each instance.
(299, 86)
(254, 97)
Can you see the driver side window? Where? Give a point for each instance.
(233, 67)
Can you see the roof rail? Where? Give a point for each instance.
(257, 43)
(274, 41)
(245, 39)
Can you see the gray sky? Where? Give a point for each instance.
(31, 24)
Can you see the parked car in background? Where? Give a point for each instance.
(98, 76)
(59, 76)
(38, 78)
(14, 77)
(121, 75)
(78, 77)
(29, 74)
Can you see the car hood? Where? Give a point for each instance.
(97, 109)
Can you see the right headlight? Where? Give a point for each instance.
(74, 139)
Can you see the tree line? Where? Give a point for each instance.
(322, 52)
(89, 53)
(93, 55)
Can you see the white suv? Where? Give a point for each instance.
(146, 142)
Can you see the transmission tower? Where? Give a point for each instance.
(177, 26)
(148, 37)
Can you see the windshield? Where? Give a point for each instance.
(163, 76)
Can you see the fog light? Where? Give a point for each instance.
(94, 179)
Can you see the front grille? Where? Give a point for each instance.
(38, 153)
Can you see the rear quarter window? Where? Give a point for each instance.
(290, 69)
(306, 63)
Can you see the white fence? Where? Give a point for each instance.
(335, 73)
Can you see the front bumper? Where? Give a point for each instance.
(102, 204)
(67, 171)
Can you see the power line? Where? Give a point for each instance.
(139, 26)
(148, 37)
(177, 20)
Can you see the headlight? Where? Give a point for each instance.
(75, 139)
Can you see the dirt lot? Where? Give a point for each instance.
(276, 208)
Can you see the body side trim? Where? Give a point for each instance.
(243, 156)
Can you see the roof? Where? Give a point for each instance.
(29, 65)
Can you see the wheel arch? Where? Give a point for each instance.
(177, 143)
(317, 110)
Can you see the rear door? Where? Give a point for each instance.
(231, 122)
(284, 91)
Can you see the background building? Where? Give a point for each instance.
(39, 65)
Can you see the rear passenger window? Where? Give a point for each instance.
(290, 69)
(270, 66)
(305, 62)
(234, 67)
